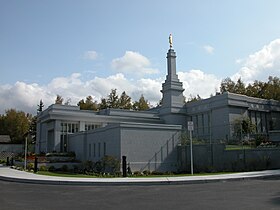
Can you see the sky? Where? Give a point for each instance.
(88, 47)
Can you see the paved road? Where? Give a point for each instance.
(242, 194)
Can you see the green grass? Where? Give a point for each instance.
(65, 174)
(178, 175)
(238, 147)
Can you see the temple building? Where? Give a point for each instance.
(149, 138)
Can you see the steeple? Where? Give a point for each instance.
(172, 88)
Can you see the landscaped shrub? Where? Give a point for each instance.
(157, 173)
(88, 166)
(137, 173)
(30, 166)
(110, 164)
(51, 168)
(98, 168)
(64, 168)
(61, 154)
(146, 172)
(43, 168)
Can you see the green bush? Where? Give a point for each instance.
(43, 168)
(51, 168)
(157, 173)
(146, 172)
(137, 173)
(30, 166)
(61, 154)
(64, 168)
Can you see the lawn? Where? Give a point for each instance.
(67, 174)
(238, 147)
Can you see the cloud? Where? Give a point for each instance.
(197, 82)
(90, 55)
(208, 49)
(133, 63)
(261, 64)
(23, 96)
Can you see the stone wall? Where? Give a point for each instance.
(207, 159)
(150, 147)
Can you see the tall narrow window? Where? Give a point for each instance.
(99, 148)
(94, 150)
(89, 150)
(104, 145)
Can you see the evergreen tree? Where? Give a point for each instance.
(125, 101)
(89, 104)
(227, 85)
(141, 104)
(113, 99)
(194, 98)
(239, 87)
(40, 106)
(103, 104)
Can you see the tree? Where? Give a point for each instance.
(59, 99)
(195, 98)
(239, 87)
(40, 106)
(227, 85)
(125, 101)
(15, 124)
(141, 104)
(258, 89)
(113, 99)
(33, 128)
(103, 104)
(89, 104)
(243, 126)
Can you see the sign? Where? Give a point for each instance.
(190, 126)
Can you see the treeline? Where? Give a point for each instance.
(258, 89)
(17, 124)
(113, 100)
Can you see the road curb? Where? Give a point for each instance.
(141, 181)
(131, 183)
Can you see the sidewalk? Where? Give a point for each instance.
(13, 175)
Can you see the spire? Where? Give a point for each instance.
(172, 88)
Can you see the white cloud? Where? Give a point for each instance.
(261, 64)
(90, 55)
(23, 96)
(197, 82)
(133, 63)
(209, 49)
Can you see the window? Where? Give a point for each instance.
(99, 148)
(89, 150)
(94, 150)
(104, 149)
(92, 126)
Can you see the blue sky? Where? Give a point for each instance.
(81, 48)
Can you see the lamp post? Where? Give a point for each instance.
(25, 154)
(191, 128)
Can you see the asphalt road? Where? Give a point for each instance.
(245, 194)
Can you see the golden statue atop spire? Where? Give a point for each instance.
(170, 41)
